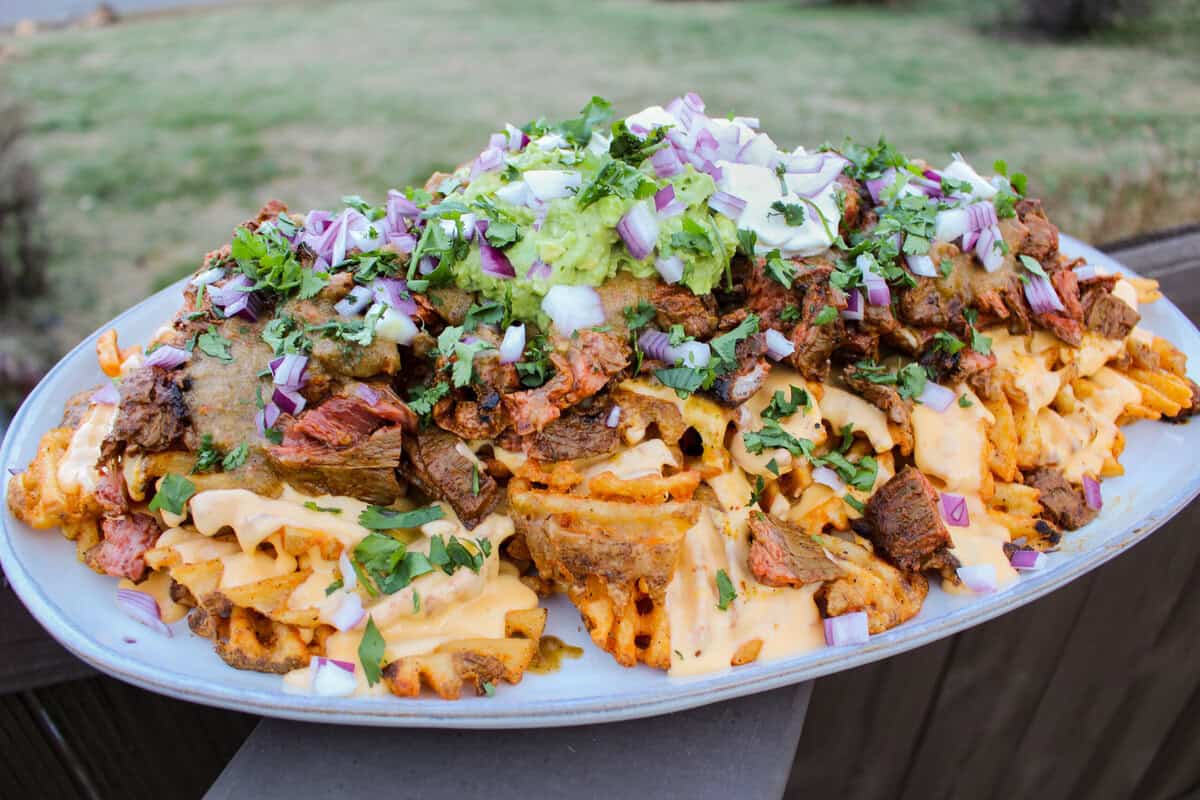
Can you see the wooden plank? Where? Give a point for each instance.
(30, 766)
(136, 744)
(1173, 773)
(843, 725)
(995, 680)
(31, 657)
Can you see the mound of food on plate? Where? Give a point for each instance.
(735, 402)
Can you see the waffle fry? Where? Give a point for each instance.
(480, 662)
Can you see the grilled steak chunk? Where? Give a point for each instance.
(677, 305)
(736, 387)
(152, 414)
(923, 305)
(126, 539)
(436, 466)
(1042, 239)
(902, 520)
(1107, 314)
(1062, 503)
(782, 555)
(576, 434)
(346, 446)
(815, 342)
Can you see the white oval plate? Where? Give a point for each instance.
(77, 606)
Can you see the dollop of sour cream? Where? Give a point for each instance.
(812, 186)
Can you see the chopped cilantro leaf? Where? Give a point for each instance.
(1033, 266)
(312, 506)
(725, 590)
(756, 492)
(826, 315)
(947, 342)
(724, 347)
(781, 407)
(684, 380)
(639, 316)
(629, 147)
(747, 240)
(208, 456)
(964, 401)
(377, 518)
(781, 271)
(792, 213)
(790, 314)
(333, 587)
(214, 344)
(370, 652)
(490, 313)
(173, 493)
(772, 437)
(578, 131)
(422, 399)
(854, 502)
(616, 179)
(694, 236)
(235, 457)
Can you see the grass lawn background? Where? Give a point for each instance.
(155, 137)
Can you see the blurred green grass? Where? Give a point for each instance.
(155, 137)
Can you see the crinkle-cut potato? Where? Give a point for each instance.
(887, 595)
(249, 640)
(481, 662)
(648, 489)
(1017, 507)
(35, 495)
(637, 631)
(1002, 435)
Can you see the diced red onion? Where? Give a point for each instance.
(247, 307)
(289, 401)
(666, 162)
(398, 207)
(950, 225)
(981, 215)
(494, 261)
(987, 251)
(980, 578)
(393, 293)
(498, 140)
(573, 307)
(333, 678)
(396, 326)
(855, 307)
(512, 347)
(403, 242)
(728, 204)
(167, 357)
(670, 268)
(349, 613)
(657, 345)
(921, 265)
(639, 230)
(954, 510)
(288, 370)
(1086, 272)
(143, 608)
(516, 138)
(349, 576)
(551, 184)
(539, 270)
(354, 303)
(316, 221)
(1026, 559)
(749, 122)
(208, 276)
(936, 396)
(106, 395)
(852, 628)
(1091, 493)
(828, 477)
(1041, 295)
(878, 293)
(664, 197)
(369, 395)
(876, 185)
(428, 265)
(266, 417)
(489, 160)
(614, 417)
(779, 346)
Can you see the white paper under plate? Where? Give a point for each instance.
(77, 606)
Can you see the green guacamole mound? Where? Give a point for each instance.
(581, 245)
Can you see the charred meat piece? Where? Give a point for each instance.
(1107, 314)
(951, 368)
(736, 387)
(855, 205)
(110, 491)
(923, 305)
(783, 555)
(576, 434)
(152, 414)
(1062, 503)
(814, 337)
(126, 539)
(902, 520)
(476, 412)
(347, 446)
(1067, 286)
(882, 396)
(765, 296)
(677, 305)
(1042, 240)
(585, 363)
(435, 464)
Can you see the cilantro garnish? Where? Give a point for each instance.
(578, 131)
(388, 563)
(724, 347)
(979, 343)
(639, 316)
(422, 399)
(725, 590)
(284, 336)
(616, 179)
(628, 147)
(947, 342)
(1033, 266)
(826, 315)
(333, 587)
(773, 437)
(377, 518)
(780, 270)
(173, 493)
(312, 506)
(854, 502)
(235, 457)
(790, 314)
(370, 652)
(964, 401)
(684, 380)
(452, 554)
(694, 236)
(208, 456)
(781, 407)
(490, 313)
(535, 368)
(747, 240)
(792, 213)
(756, 492)
(214, 344)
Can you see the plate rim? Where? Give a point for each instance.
(587, 708)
